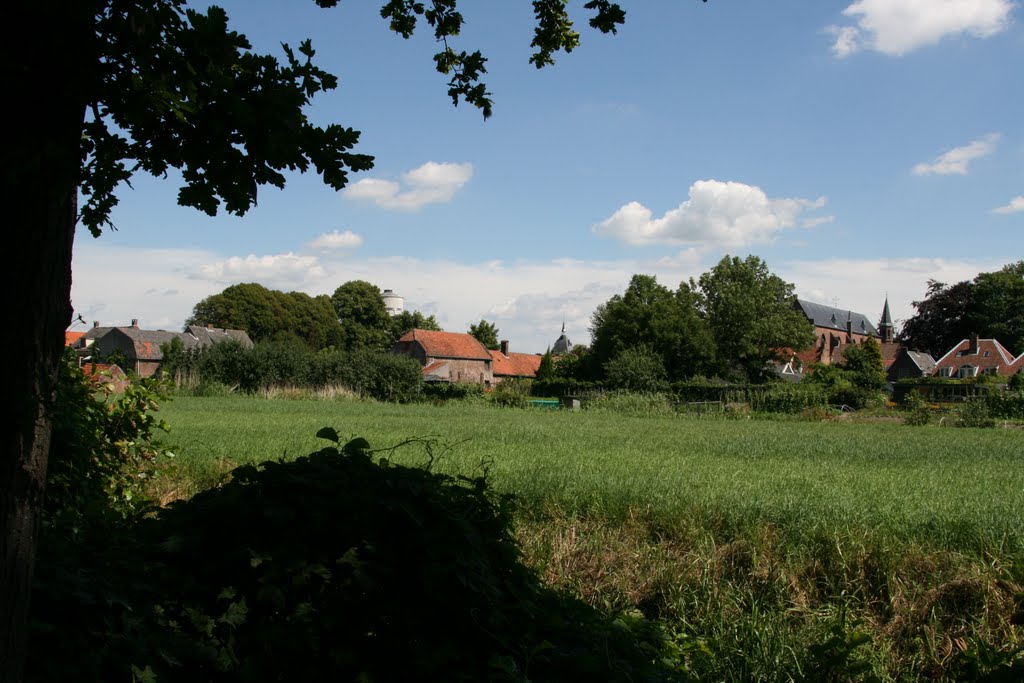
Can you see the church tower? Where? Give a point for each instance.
(885, 326)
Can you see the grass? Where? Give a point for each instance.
(957, 489)
(754, 542)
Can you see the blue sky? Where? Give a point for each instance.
(860, 148)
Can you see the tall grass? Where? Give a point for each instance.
(761, 546)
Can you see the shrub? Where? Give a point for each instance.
(917, 412)
(1007, 405)
(337, 566)
(636, 369)
(512, 393)
(975, 414)
(631, 403)
(444, 391)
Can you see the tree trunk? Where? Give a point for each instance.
(42, 58)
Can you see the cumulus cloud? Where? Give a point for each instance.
(431, 183)
(725, 214)
(896, 27)
(956, 160)
(278, 270)
(336, 240)
(1016, 204)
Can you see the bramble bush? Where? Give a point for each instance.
(337, 566)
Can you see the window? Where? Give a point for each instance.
(994, 370)
(986, 354)
(945, 372)
(967, 371)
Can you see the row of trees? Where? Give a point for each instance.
(351, 319)
(729, 323)
(991, 305)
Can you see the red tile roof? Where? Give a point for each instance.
(991, 354)
(515, 364)
(447, 344)
(96, 370)
(71, 337)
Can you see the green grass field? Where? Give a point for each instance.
(761, 546)
(957, 488)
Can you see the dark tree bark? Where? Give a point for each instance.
(43, 81)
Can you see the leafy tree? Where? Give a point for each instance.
(411, 320)
(941, 320)
(486, 333)
(865, 365)
(650, 313)
(365, 323)
(991, 305)
(751, 314)
(109, 87)
(637, 368)
(267, 314)
(998, 310)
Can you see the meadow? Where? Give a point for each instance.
(769, 548)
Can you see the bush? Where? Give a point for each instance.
(631, 403)
(512, 393)
(975, 414)
(444, 391)
(917, 412)
(1006, 405)
(636, 369)
(336, 566)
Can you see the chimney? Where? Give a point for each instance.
(973, 350)
(504, 347)
(135, 322)
(95, 324)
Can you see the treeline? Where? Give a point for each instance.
(229, 366)
(353, 318)
(991, 306)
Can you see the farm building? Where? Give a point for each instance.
(510, 365)
(448, 356)
(140, 349)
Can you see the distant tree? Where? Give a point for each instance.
(998, 306)
(636, 368)
(364, 320)
(651, 314)
(942, 318)
(865, 365)
(486, 333)
(991, 306)
(577, 365)
(411, 320)
(267, 314)
(546, 370)
(751, 314)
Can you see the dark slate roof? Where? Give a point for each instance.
(212, 335)
(922, 360)
(832, 318)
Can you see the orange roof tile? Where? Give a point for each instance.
(515, 364)
(71, 337)
(447, 344)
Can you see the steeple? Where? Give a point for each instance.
(885, 326)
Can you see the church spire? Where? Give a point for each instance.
(885, 327)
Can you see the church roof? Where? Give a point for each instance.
(833, 318)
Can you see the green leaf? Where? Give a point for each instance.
(330, 434)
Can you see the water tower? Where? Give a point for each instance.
(392, 302)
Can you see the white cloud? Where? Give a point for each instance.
(279, 271)
(896, 27)
(431, 183)
(815, 221)
(1016, 204)
(725, 214)
(956, 160)
(336, 240)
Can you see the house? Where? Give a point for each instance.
(140, 349)
(910, 365)
(973, 357)
(71, 338)
(510, 365)
(448, 356)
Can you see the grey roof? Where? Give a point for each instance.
(829, 317)
(212, 335)
(922, 360)
(886, 317)
(562, 344)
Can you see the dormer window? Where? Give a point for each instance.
(945, 372)
(966, 371)
(986, 354)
